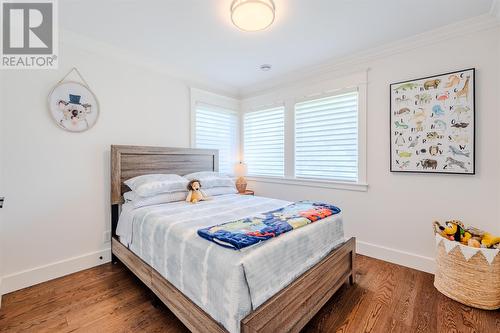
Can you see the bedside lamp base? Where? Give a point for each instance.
(241, 184)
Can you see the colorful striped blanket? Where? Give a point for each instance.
(252, 230)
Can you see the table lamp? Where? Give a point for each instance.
(240, 171)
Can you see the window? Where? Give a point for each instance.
(263, 142)
(217, 128)
(326, 138)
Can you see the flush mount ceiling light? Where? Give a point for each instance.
(252, 15)
(265, 67)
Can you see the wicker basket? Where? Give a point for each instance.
(473, 282)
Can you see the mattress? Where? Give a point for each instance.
(227, 284)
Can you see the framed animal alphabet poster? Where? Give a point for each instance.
(432, 124)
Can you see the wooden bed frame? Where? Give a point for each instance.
(287, 311)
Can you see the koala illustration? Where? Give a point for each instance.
(74, 112)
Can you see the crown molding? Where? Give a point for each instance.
(360, 60)
(106, 50)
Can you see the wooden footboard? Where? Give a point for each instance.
(287, 311)
(292, 308)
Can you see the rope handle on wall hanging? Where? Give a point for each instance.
(74, 69)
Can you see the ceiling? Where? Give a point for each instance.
(195, 38)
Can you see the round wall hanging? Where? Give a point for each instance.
(73, 105)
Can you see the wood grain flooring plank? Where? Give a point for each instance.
(401, 307)
(370, 308)
(425, 307)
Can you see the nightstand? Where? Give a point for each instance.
(247, 192)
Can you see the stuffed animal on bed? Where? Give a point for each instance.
(195, 192)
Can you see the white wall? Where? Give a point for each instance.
(392, 220)
(56, 182)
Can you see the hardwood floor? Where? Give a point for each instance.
(386, 298)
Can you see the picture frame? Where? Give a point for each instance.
(432, 124)
(73, 105)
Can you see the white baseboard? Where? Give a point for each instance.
(30, 277)
(403, 258)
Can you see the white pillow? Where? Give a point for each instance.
(137, 201)
(209, 179)
(214, 191)
(200, 174)
(149, 185)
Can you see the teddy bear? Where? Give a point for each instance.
(195, 193)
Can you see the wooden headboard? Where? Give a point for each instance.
(132, 161)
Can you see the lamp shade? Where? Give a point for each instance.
(240, 169)
(252, 15)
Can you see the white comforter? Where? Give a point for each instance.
(225, 283)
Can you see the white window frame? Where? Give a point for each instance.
(289, 96)
(199, 96)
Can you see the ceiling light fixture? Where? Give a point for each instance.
(252, 15)
(265, 67)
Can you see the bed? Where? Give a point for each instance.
(211, 288)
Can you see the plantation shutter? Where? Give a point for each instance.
(263, 141)
(217, 128)
(326, 138)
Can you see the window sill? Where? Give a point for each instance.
(361, 187)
